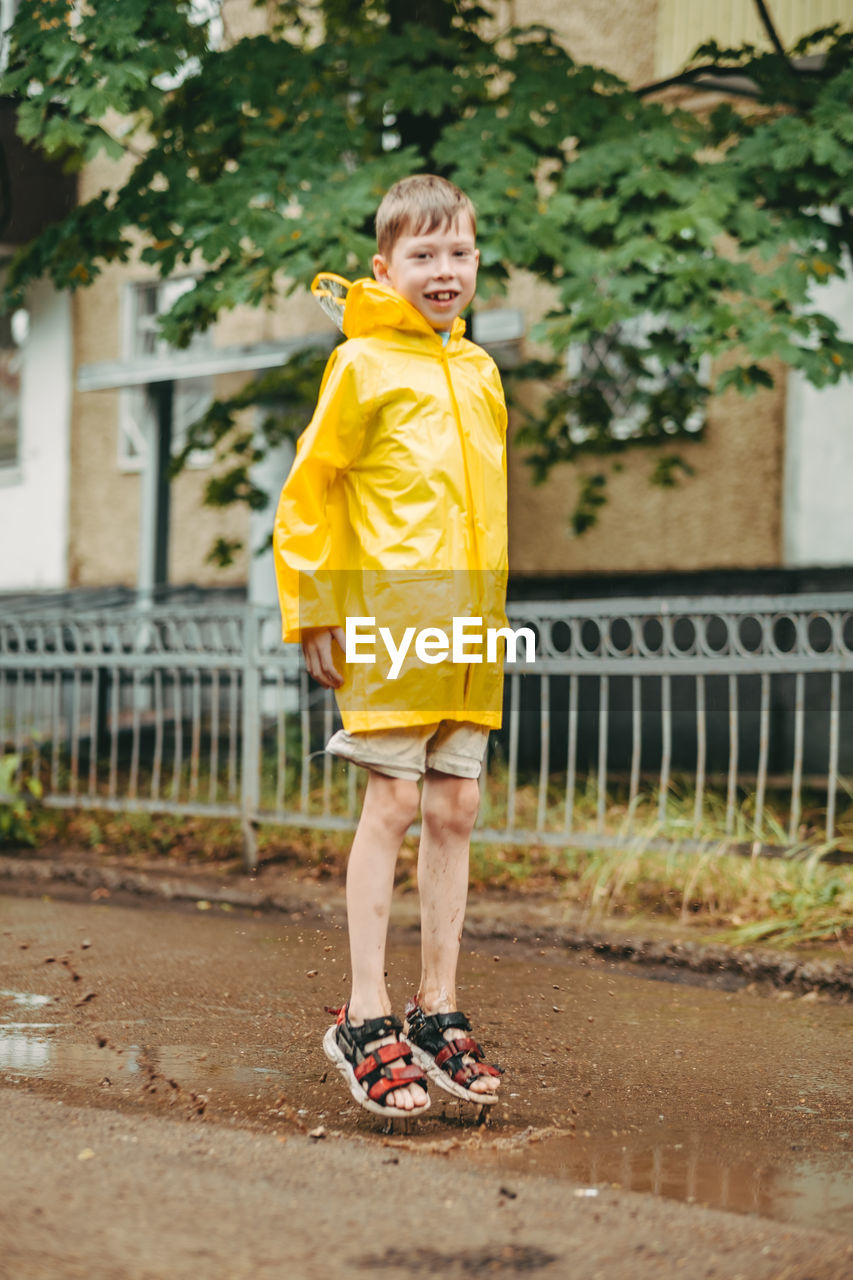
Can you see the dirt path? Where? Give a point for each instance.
(282, 890)
(110, 1196)
(133, 1044)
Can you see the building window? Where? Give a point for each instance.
(144, 304)
(613, 366)
(14, 329)
(8, 9)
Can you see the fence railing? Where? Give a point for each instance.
(694, 719)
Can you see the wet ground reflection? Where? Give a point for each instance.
(806, 1192)
(31, 1050)
(730, 1099)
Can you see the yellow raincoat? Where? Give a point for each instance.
(395, 510)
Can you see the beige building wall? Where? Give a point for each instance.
(727, 515)
(684, 24)
(104, 511)
(617, 34)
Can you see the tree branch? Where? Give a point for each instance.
(767, 23)
(128, 147)
(115, 138)
(693, 75)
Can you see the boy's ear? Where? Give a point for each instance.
(380, 269)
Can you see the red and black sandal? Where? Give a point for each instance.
(373, 1073)
(444, 1060)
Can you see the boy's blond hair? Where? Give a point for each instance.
(419, 205)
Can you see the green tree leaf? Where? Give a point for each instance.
(673, 238)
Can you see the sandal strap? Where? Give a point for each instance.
(385, 1068)
(464, 1072)
(353, 1040)
(426, 1030)
(456, 1019)
(458, 1048)
(399, 1076)
(370, 1029)
(382, 1057)
(452, 1060)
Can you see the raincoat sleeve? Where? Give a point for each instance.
(306, 545)
(496, 386)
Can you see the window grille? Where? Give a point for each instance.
(626, 382)
(145, 303)
(8, 9)
(14, 329)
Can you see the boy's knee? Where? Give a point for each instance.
(398, 799)
(451, 802)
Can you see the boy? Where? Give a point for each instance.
(395, 510)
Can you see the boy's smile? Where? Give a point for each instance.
(436, 271)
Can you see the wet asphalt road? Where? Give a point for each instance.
(161, 1035)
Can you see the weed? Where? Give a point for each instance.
(646, 866)
(16, 796)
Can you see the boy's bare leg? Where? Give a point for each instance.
(390, 806)
(449, 810)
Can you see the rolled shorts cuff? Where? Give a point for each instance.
(451, 762)
(453, 747)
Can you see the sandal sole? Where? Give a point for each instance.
(336, 1056)
(427, 1064)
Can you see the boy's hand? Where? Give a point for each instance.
(318, 651)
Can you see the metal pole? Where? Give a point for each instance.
(153, 564)
(250, 763)
(164, 397)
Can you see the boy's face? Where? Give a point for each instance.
(434, 270)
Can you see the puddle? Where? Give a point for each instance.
(729, 1099)
(23, 1050)
(680, 1166)
(810, 1192)
(26, 999)
(31, 1049)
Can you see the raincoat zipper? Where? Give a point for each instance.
(469, 496)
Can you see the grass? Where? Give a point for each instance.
(797, 898)
(787, 901)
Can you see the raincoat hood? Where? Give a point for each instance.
(371, 307)
(366, 307)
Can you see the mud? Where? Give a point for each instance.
(737, 1099)
(663, 949)
(96, 1194)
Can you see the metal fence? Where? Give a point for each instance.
(726, 719)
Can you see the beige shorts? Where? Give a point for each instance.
(452, 746)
